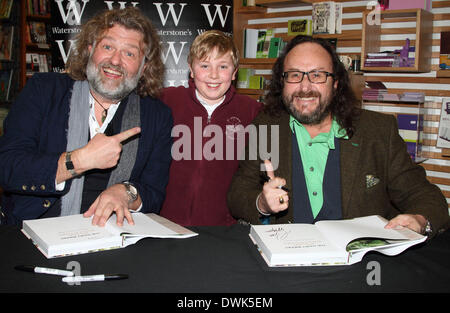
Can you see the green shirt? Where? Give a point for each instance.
(314, 153)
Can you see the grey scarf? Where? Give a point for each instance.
(77, 137)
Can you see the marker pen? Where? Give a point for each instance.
(43, 270)
(101, 277)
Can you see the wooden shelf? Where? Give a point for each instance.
(443, 73)
(371, 42)
(283, 3)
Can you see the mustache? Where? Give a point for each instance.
(308, 94)
(116, 68)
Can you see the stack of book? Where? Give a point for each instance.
(5, 8)
(382, 59)
(38, 7)
(374, 94)
(413, 97)
(37, 62)
(262, 43)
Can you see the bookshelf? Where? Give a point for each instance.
(371, 38)
(32, 15)
(242, 15)
(9, 63)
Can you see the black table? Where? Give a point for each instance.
(222, 260)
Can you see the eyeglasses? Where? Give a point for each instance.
(315, 77)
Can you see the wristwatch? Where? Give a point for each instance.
(69, 164)
(428, 229)
(131, 191)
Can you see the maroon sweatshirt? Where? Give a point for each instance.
(205, 154)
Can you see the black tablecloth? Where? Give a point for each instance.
(222, 260)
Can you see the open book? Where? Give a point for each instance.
(74, 234)
(341, 242)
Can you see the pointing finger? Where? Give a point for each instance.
(127, 134)
(269, 169)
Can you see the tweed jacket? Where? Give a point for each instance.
(377, 174)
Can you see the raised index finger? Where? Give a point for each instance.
(269, 169)
(127, 134)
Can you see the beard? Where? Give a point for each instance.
(115, 93)
(313, 118)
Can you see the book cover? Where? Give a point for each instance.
(300, 27)
(243, 80)
(250, 42)
(256, 82)
(443, 140)
(5, 84)
(6, 40)
(324, 17)
(261, 41)
(38, 32)
(275, 48)
(266, 46)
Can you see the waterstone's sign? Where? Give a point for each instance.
(177, 22)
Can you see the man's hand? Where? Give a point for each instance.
(113, 199)
(273, 199)
(415, 222)
(100, 152)
(103, 151)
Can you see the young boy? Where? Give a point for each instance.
(209, 116)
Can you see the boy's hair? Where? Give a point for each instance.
(208, 41)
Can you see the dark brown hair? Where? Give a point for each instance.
(344, 106)
(132, 18)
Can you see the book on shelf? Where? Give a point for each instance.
(324, 17)
(330, 242)
(276, 46)
(37, 62)
(75, 234)
(443, 140)
(338, 21)
(250, 42)
(243, 79)
(38, 7)
(264, 53)
(6, 41)
(444, 52)
(300, 27)
(5, 8)
(260, 44)
(5, 84)
(256, 82)
(37, 32)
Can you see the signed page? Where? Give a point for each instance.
(295, 244)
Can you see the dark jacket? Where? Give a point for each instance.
(375, 149)
(36, 135)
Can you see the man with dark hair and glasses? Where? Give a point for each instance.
(336, 160)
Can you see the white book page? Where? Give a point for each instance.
(144, 226)
(341, 232)
(286, 244)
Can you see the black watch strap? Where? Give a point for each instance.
(69, 164)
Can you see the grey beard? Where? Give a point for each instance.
(95, 81)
